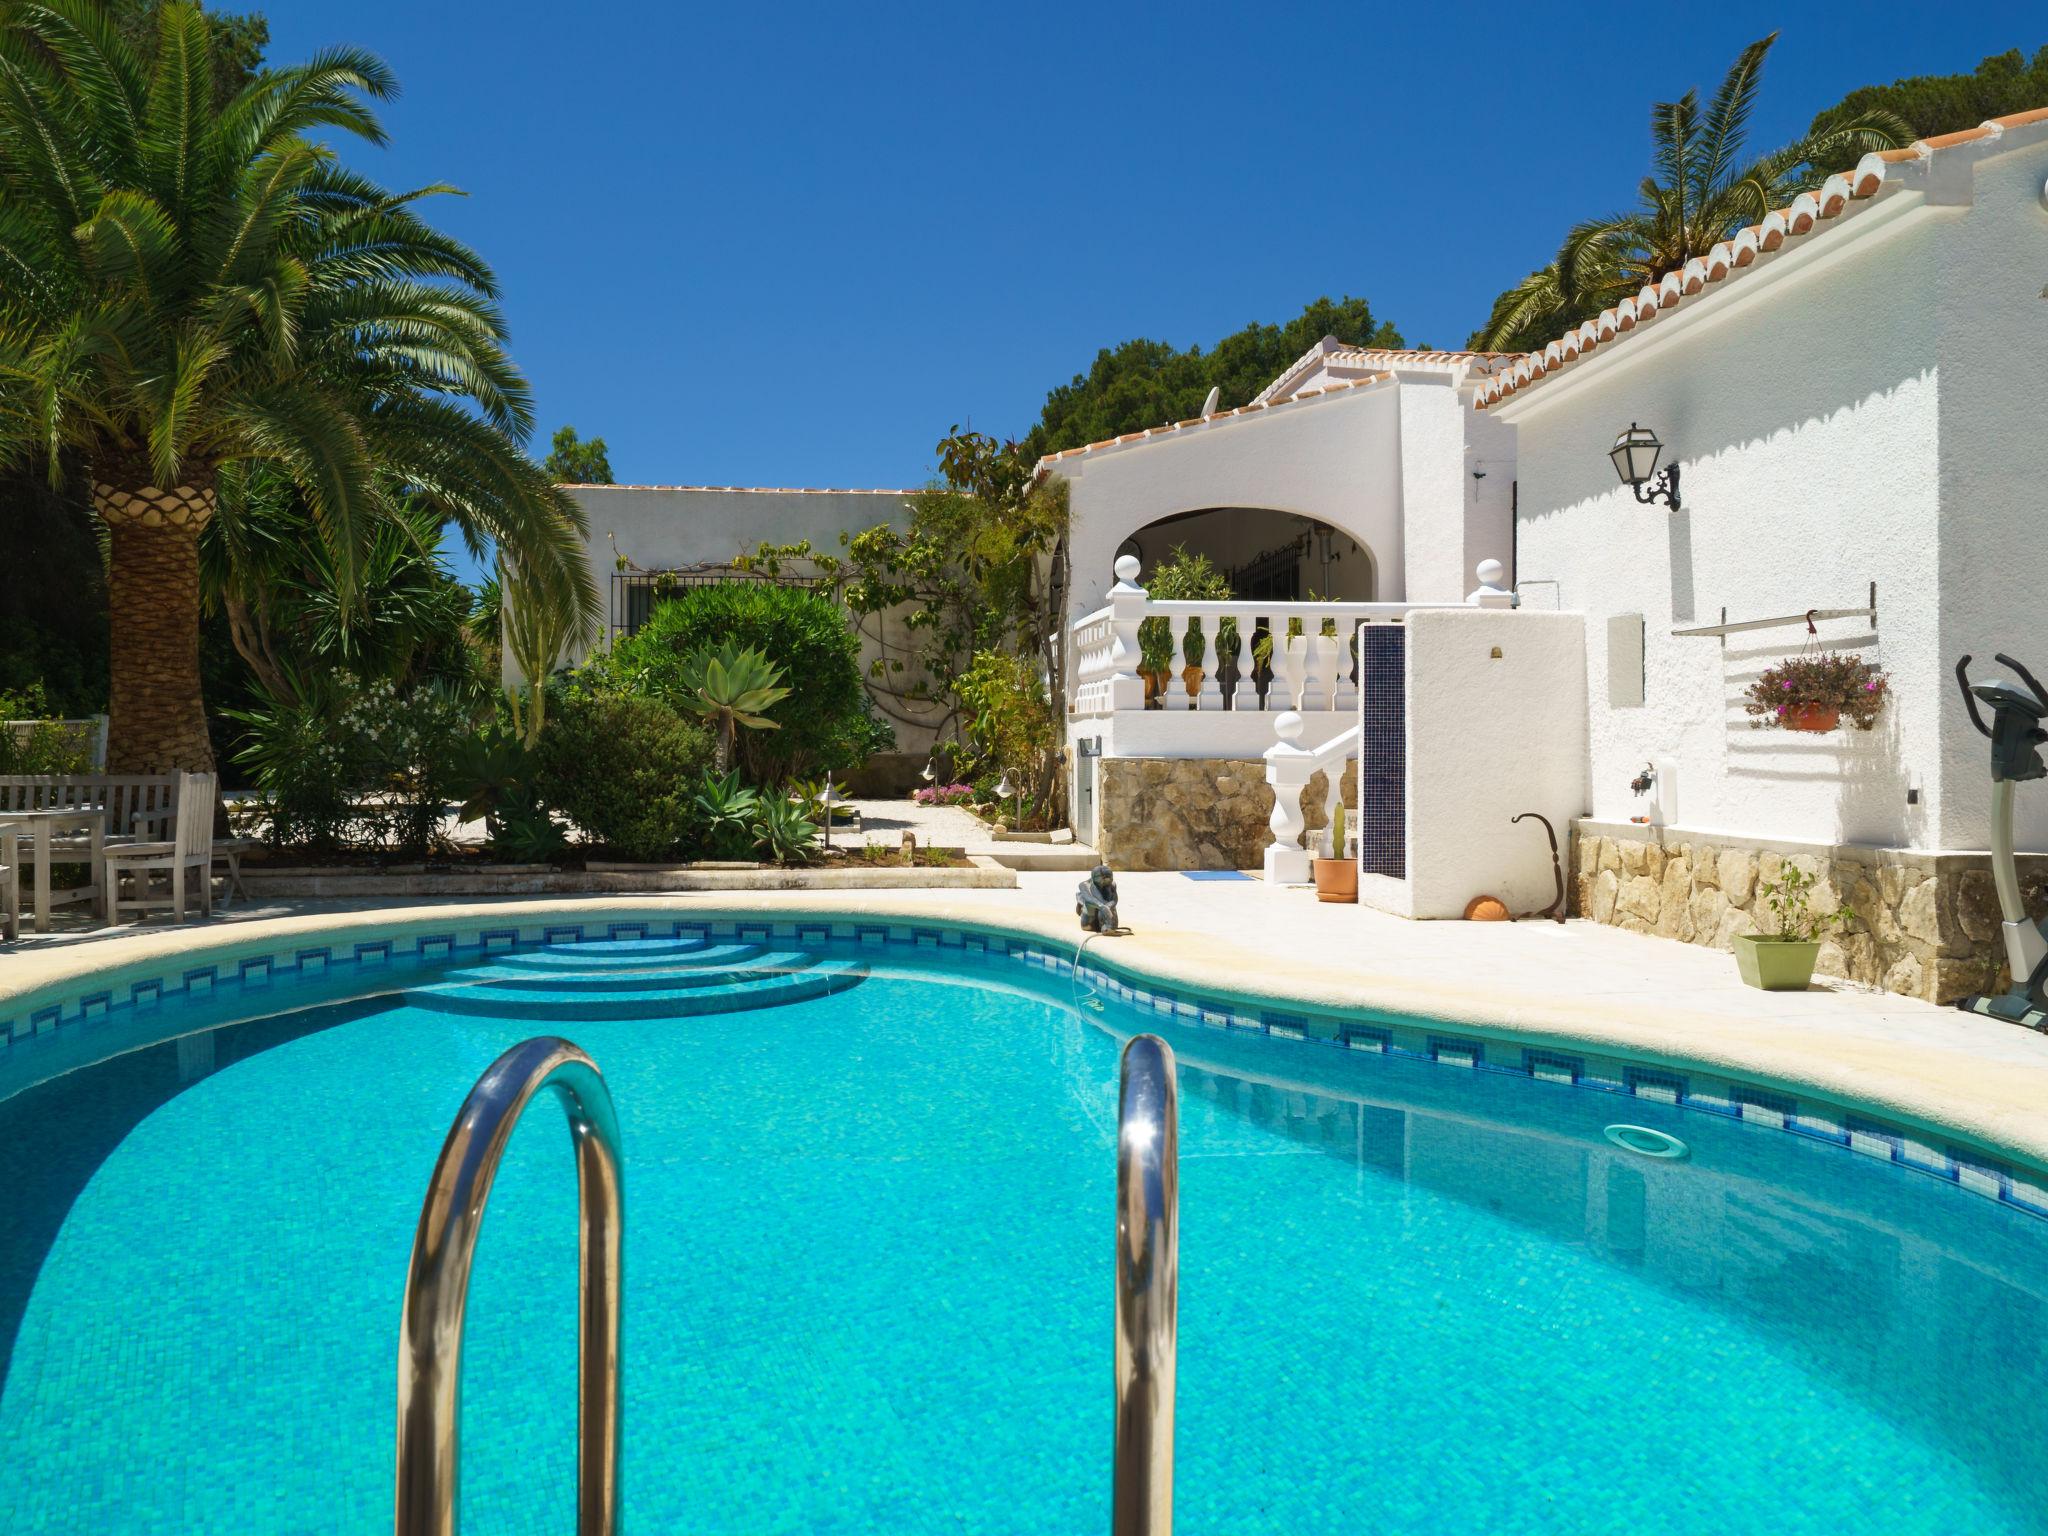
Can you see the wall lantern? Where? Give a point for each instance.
(1635, 459)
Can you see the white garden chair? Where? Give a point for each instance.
(188, 855)
(10, 884)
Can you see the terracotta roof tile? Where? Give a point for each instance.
(1331, 353)
(1342, 386)
(1806, 213)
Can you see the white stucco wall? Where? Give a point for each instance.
(1870, 411)
(673, 527)
(1202, 733)
(1434, 489)
(1334, 459)
(1993, 371)
(676, 527)
(1805, 413)
(1489, 490)
(1488, 738)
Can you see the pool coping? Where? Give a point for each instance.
(1941, 1092)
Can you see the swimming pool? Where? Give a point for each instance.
(868, 1270)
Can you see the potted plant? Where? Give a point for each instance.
(1180, 577)
(1782, 960)
(1336, 875)
(1815, 693)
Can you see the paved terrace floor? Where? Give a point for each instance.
(1533, 981)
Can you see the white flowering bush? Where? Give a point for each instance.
(353, 764)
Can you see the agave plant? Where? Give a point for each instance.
(729, 810)
(783, 832)
(730, 688)
(1703, 188)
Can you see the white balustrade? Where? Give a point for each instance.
(1289, 767)
(1091, 654)
(1306, 669)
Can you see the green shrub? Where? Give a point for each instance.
(1183, 577)
(1015, 730)
(46, 746)
(625, 769)
(355, 764)
(306, 772)
(828, 720)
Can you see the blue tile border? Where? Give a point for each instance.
(1811, 1117)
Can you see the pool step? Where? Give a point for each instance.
(698, 992)
(644, 977)
(625, 952)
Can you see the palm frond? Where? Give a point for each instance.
(180, 96)
(1727, 121)
(87, 58)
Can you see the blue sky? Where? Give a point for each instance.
(790, 245)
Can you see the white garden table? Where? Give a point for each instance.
(44, 827)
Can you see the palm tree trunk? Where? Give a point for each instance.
(158, 722)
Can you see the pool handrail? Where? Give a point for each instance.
(437, 1285)
(1147, 1288)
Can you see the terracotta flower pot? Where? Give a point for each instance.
(1810, 717)
(1336, 879)
(1191, 678)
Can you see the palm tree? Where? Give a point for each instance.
(190, 285)
(1701, 190)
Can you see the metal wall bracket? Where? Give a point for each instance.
(1810, 617)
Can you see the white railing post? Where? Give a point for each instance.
(1289, 652)
(1242, 694)
(1348, 650)
(1212, 663)
(1127, 612)
(1490, 593)
(1288, 769)
(1322, 654)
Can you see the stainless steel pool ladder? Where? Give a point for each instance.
(1147, 1287)
(437, 1286)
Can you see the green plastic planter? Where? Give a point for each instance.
(1776, 965)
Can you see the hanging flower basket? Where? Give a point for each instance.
(1817, 693)
(1819, 718)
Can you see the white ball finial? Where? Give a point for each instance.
(1288, 727)
(1490, 573)
(1127, 568)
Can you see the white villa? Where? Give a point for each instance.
(1471, 616)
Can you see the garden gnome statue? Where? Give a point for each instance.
(1095, 901)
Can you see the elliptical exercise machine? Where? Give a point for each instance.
(2017, 710)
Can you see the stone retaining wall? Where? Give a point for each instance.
(1927, 924)
(1156, 813)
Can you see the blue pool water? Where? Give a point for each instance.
(869, 1279)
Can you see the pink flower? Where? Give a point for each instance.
(1781, 709)
(1787, 686)
(1870, 687)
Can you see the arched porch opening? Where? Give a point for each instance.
(1264, 553)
